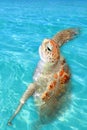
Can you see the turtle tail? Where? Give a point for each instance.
(65, 35)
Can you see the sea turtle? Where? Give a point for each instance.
(51, 75)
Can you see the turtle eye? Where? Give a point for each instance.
(49, 47)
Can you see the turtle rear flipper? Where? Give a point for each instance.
(64, 36)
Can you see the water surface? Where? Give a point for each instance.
(23, 26)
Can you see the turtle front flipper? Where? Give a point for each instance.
(29, 92)
(63, 36)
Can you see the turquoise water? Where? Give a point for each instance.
(23, 26)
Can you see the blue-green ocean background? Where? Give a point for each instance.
(23, 26)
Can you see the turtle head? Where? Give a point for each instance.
(49, 51)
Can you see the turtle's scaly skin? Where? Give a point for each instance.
(51, 75)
